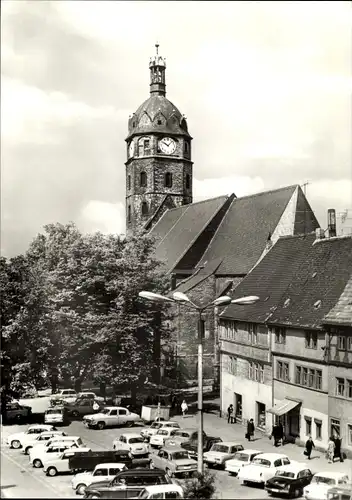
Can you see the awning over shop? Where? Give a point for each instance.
(283, 407)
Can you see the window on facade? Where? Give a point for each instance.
(280, 335)
(298, 375)
(129, 182)
(311, 376)
(143, 179)
(318, 379)
(308, 426)
(129, 213)
(304, 376)
(252, 333)
(232, 365)
(145, 209)
(256, 372)
(188, 181)
(340, 386)
(143, 147)
(311, 340)
(349, 343)
(186, 147)
(308, 377)
(283, 371)
(318, 425)
(168, 180)
(341, 343)
(349, 388)
(349, 434)
(335, 427)
(229, 330)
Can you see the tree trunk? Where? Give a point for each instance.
(78, 384)
(102, 389)
(133, 394)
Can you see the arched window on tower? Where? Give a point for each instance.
(168, 180)
(188, 181)
(144, 146)
(186, 147)
(129, 213)
(128, 182)
(145, 209)
(143, 179)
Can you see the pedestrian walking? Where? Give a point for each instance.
(275, 435)
(250, 429)
(309, 446)
(229, 414)
(184, 408)
(281, 433)
(330, 450)
(337, 450)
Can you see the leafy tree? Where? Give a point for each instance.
(203, 486)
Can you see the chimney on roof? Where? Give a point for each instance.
(319, 234)
(332, 223)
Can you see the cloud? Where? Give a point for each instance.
(241, 186)
(103, 217)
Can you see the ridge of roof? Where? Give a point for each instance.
(332, 239)
(268, 192)
(156, 211)
(226, 196)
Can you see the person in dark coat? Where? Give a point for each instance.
(309, 446)
(281, 433)
(337, 451)
(230, 414)
(275, 435)
(250, 429)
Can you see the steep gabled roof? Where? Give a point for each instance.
(200, 275)
(341, 313)
(243, 233)
(270, 279)
(179, 228)
(317, 285)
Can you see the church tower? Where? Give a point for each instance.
(158, 166)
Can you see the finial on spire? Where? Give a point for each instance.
(157, 48)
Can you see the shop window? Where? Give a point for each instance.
(308, 425)
(280, 335)
(168, 180)
(261, 415)
(311, 340)
(340, 386)
(143, 179)
(318, 429)
(145, 209)
(188, 181)
(335, 429)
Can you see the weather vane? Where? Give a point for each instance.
(157, 48)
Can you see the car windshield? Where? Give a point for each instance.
(284, 473)
(323, 480)
(181, 434)
(242, 457)
(221, 448)
(180, 455)
(262, 462)
(136, 440)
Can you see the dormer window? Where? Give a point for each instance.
(143, 179)
(145, 209)
(168, 180)
(144, 147)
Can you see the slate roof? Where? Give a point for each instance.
(270, 278)
(179, 228)
(200, 275)
(243, 232)
(341, 313)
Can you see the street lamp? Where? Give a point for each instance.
(181, 298)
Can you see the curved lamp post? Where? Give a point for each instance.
(181, 298)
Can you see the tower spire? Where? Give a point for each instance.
(157, 66)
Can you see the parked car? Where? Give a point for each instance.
(157, 425)
(174, 461)
(111, 416)
(343, 492)
(15, 440)
(133, 443)
(88, 461)
(241, 459)
(56, 416)
(90, 395)
(127, 484)
(289, 480)
(53, 464)
(191, 445)
(158, 439)
(32, 440)
(84, 406)
(162, 491)
(219, 453)
(65, 394)
(182, 436)
(322, 482)
(15, 412)
(39, 454)
(42, 393)
(105, 472)
(59, 439)
(263, 467)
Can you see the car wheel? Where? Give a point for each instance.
(129, 424)
(100, 426)
(37, 463)
(26, 451)
(15, 444)
(81, 488)
(52, 471)
(169, 473)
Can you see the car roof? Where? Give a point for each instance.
(166, 422)
(272, 456)
(173, 448)
(36, 426)
(141, 472)
(132, 434)
(110, 464)
(159, 488)
(229, 443)
(249, 451)
(64, 438)
(332, 475)
(115, 408)
(294, 467)
(187, 429)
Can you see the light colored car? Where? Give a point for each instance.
(59, 439)
(174, 461)
(31, 440)
(183, 435)
(161, 491)
(15, 440)
(158, 439)
(89, 395)
(240, 459)
(134, 443)
(65, 394)
(111, 416)
(55, 416)
(262, 468)
(156, 426)
(52, 464)
(102, 472)
(322, 482)
(219, 453)
(39, 454)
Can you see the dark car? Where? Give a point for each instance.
(127, 484)
(84, 406)
(16, 412)
(289, 480)
(191, 446)
(88, 460)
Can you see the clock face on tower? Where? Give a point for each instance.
(131, 149)
(167, 145)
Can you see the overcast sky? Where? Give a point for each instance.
(266, 88)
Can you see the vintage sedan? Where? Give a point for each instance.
(158, 439)
(111, 416)
(174, 461)
(263, 467)
(32, 440)
(221, 452)
(289, 480)
(157, 425)
(134, 443)
(161, 491)
(15, 440)
(322, 482)
(241, 459)
(105, 472)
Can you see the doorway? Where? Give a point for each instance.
(238, 406)
(260, 415)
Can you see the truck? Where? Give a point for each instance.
(83, 461)
(150, 413)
